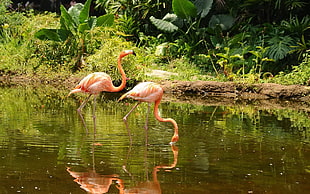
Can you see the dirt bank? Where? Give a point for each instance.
(204, 92)
(238, 90)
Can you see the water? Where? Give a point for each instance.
(45, 148)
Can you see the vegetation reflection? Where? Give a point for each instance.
(243, 146)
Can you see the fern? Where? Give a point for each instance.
(295, 26)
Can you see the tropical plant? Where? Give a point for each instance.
(298, 28)
(279, 45)
(132, 16)
(186, 27)
(74, 31)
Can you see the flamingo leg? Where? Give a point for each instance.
(83, 104)
(83, 121)
(147, 116)
(146, 123)
(133, 108)
(79, 110)
(128, 130)
(94, 114)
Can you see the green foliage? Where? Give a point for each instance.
(184, 8)
(185, 27)
(225, 22)
(299, 75)
(280, 46)
(223, 40)
(75, 27)
(180, 69)
(166, 24)
(132, 17)
(18, 48)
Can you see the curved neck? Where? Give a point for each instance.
(124, 78)
(175, 125)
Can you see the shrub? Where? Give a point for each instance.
(299, 75)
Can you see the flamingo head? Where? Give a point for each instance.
(127, 52)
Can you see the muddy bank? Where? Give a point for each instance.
(239, 91)
(229, 93)
(200, 92)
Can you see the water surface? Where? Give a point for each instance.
(45, 147)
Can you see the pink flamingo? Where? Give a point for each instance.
(150, 92)
(97, 82)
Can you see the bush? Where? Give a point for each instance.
(299, 75)
(18, 48)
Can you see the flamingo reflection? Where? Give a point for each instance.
(95, 183)
(153, 187)
(149, 187)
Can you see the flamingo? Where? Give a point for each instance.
(150, 92)
(97, 82)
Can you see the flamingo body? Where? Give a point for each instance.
(145, 92)
(94, 83)
(150, 92)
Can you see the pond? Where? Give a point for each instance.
(46, 148)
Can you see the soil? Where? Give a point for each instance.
(211, 93)
(202, 92)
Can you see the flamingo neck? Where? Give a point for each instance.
(156, 114)
(124, 78)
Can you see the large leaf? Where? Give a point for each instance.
(174, 19)
(52, 34)
(105, 20)
(66, 21)
(170, 17)
(203, 7)
(84, 14)
(224, 21)
(280, 46)
(163, 25)
(184, 8)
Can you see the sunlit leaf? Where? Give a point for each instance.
(67, 21)
(105, 20)
(84, 13)
(83, 27)
(52, 34)
(184, 8)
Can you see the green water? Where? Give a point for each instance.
(45, 148)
